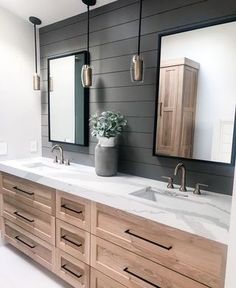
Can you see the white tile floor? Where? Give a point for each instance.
(19, 271)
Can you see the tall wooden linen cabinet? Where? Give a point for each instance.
(177, 107)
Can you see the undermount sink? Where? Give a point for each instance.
(39, 165)
(153, 194)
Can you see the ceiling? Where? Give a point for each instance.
(49, 11)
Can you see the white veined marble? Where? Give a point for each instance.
(207, 215)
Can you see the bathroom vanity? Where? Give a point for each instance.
(113, 232)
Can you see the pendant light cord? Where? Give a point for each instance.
(140, 24)
(35, 47)
(88, 31)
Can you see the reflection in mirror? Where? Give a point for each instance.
(68, 100)
(197, 94)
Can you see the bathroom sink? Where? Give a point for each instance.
(154, 194)
(39, 165)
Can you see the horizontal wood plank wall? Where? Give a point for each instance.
(113, 36)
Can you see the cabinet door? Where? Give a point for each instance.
(73, 210)
(39, 250)
(73, 271)
(167, 124)
(99, 280)
(189, 112)
(73, 241)
(134, 271)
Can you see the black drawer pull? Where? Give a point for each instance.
(71, 272)
(24, 242)
(152, 242)
(72, 242)
(70, 209)
(23, 217)
(28, 193)
(139, 277)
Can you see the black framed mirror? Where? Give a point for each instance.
(196, 93)
(68, 100)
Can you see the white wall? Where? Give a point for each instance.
(214, 49)
(19, 104)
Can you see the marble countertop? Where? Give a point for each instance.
(206, 215)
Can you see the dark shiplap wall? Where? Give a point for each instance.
(113, 41)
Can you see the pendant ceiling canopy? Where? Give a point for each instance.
(89, 2)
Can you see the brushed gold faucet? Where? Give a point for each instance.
(183, 176)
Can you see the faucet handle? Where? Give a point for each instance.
(55, 159)
(170, 181)
(67, 162)
(197, 189)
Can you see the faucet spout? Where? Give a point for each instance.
(183, 176)
(58, 147)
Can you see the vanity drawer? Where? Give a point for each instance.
(99, 280)
(73, 209)
(196, 257)
(32, 220)
(30, 193)
(73, 240)
(135, 271)
(73, 271)
(37, 249)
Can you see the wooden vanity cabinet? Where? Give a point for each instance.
(177, 108)
(91, 245)
(195, 257)
(30, 193)
(73, 209)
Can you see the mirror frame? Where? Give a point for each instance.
(85, 96)
(177, 31)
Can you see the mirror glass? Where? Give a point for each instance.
(68, 100)
(197, 94)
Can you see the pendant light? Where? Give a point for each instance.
(87, 72)
(36, 78)
(137, 64)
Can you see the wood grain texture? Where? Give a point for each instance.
(30, 193)
(73, 241)
(99, 280)
(115, 261)
(73, 210)
(72, 270)
(195, 257)
(39, 250)
(114, 29)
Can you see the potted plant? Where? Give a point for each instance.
(106, 127)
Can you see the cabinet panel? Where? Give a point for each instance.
(196, 257)
(32, 220)
(73, 241)
(99, 280)
(73, 271)
(135, 271)
(37, 249)
(74, 210)
(177, 107)
(30, 193)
